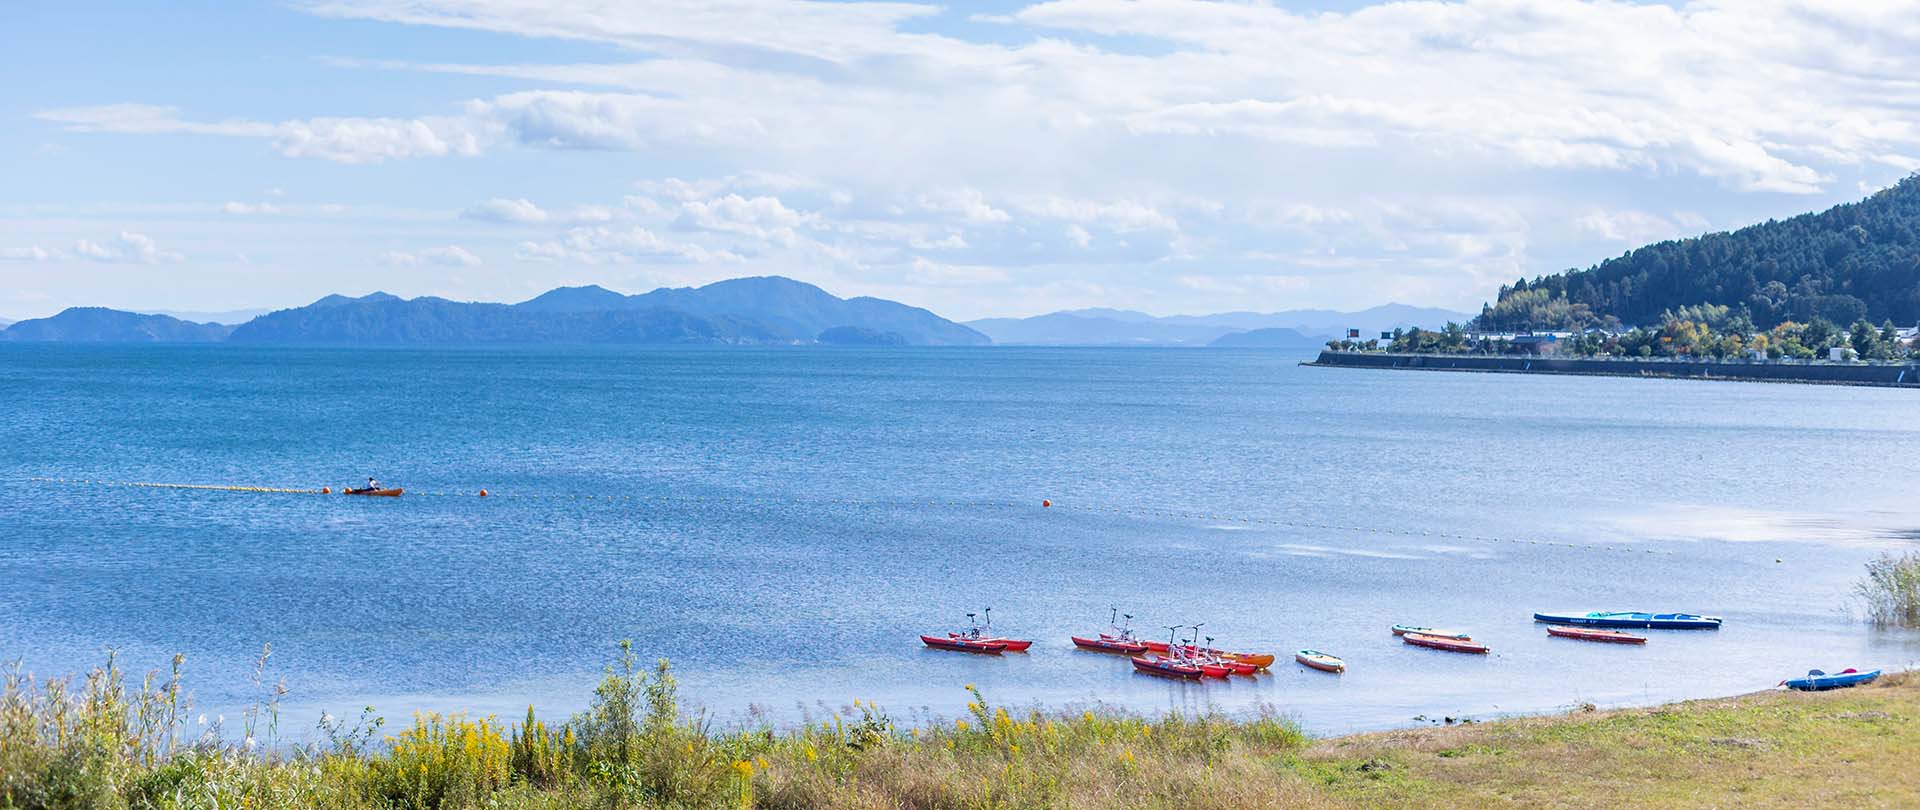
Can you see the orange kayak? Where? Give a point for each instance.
(1259, 660)
(385, 493)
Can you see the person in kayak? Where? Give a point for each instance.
(372, 484)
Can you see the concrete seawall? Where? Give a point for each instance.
(1893, 375)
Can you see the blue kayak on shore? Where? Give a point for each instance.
(1622, 618)
(1817, 681)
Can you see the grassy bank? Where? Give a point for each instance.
(98, 743)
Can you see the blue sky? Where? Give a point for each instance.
(1003, 158)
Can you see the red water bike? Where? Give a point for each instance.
(1121, 640)
(984, 635)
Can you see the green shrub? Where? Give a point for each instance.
(1891, 590)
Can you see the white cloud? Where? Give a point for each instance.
(970, 204)
(245, 209)
(450, 256)
(758, 217)
(371, 140)
(1633, 228)
(125, 248)
(343, 140)
(34, 253)
(592, 213)
(605, 245)
(952, 241)
(1727, 91)
(1114, 148)
(1119, 215)
(934, 273)
(147, 119)
(500, 209)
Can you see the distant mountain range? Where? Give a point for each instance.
(760, 311)
(766, 310)
(230, 317)
(1120, 327)
(100, 325)
(1273, 338)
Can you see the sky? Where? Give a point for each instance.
(976, 158)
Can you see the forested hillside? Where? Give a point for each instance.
(1859, 261)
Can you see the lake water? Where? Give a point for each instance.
(783, 523)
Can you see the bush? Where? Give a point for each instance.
(1891, 591)
(111, 743)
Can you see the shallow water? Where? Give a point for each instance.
(782, 523)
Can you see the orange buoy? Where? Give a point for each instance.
(483, 493)
(1045, 504)
(326, 490)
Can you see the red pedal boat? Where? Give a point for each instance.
(1012, 644)
(1166, 668)
(1461, 645)
(1257, 660)
(1109, 645)
(963, 644)
(1595, 634)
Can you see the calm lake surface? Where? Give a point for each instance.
(783, 523)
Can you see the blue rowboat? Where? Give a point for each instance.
(1650, 621)
(1817, 681)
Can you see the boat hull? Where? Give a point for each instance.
(1632, 620)
(1257, 660)
(1823, 682)
(1321, 661)
(1011, 644)
(963, 645)
(1109, 646)
(1403, 629)
(375, 493)
(1165, 668)
(1447, 644)
(1595, 634)
(1260, 660)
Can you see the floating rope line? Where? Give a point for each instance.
(156, 485)
(1136, 512)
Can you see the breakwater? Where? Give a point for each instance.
(1900, 375)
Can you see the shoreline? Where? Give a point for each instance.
(1866, 375)
(635, 748)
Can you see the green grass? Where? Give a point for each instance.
(98, 743)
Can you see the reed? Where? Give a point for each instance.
(1891, 590)
(107, 743)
